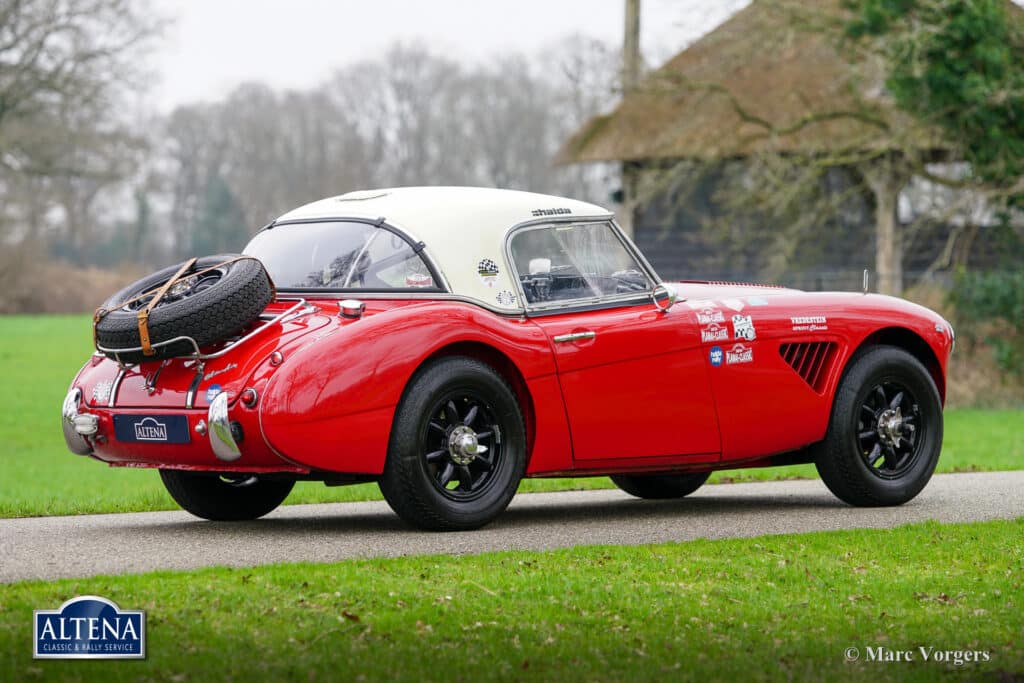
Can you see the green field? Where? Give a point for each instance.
(768, 608)
(40, 354)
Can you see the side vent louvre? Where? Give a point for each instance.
(811, 360)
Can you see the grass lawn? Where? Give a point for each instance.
(768, 608)
(40, 354)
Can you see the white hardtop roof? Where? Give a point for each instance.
(461, 227)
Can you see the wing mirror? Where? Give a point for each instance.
(664, 297)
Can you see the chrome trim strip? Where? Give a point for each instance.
(219, 430)
(115, 386)
(414, 296)
(190, 396)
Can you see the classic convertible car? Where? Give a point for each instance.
(446, 342)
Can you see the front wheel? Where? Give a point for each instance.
(223, 498)
(885, 432)
(660, 486)
(458, 447)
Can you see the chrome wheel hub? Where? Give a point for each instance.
(181, 287)
(890, 426)
(463, 445)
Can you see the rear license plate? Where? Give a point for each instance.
(151, 428)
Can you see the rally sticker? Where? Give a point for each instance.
(757, 301)
(809, 323)
(739, 353)
(715, 355)
(506, 298)
(714, 333)
(708, 316)
(697, 304)
(101, 392)
(743, 327)
(212, 392)
(487, 269)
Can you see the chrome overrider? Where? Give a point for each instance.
(77, 426)
(221, 439)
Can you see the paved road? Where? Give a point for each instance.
(56, 547)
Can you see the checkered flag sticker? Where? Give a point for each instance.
(487, 268)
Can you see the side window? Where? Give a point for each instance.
(578, 261)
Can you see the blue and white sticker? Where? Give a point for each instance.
(89, 627)
(715, 355)
(212, 392)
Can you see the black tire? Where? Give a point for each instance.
(660, 486)
(221, 304)
(443, 399)
(212, 497)
(861, 461)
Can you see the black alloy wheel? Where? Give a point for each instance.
(885, 431)
(463, 443)
(458, 447)
(887, 428)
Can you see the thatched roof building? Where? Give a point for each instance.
(775, 77)
(771, 78)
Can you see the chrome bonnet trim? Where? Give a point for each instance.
(112, 401)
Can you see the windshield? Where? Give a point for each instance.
(345, 255)
(563, 263)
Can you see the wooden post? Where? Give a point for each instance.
(885, 180)
(630, 80)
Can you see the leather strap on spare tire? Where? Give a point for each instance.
(143, 318)
(147, 348)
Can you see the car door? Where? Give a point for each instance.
(633, 378)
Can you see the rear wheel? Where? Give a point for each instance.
(458, 447)
(660, 486)
(885, 432)
(225, 498)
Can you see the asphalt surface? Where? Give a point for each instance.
(88, 545)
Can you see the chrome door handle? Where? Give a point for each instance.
(574, 336)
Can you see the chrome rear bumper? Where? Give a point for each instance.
(79, 428)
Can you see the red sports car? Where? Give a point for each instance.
(446, 342)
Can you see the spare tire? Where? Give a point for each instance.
(207, 307)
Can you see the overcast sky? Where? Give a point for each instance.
(216, 44)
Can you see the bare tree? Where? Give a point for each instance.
(64, 67)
